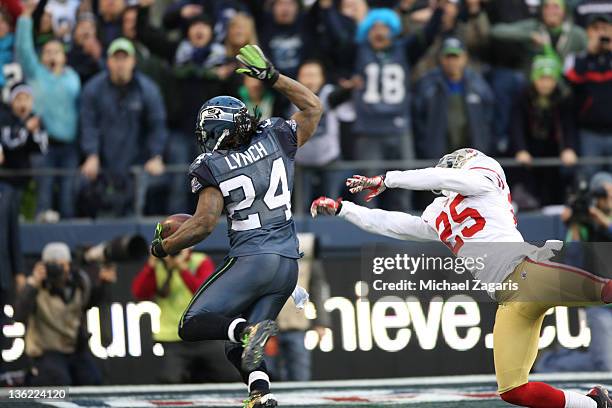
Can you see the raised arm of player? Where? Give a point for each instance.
(394, 224)
(195, 229)
(463, 181)
(258, 66)
(309, 105)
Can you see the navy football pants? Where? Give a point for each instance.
(255, 287)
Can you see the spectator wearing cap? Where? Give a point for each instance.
(514, 44)
(382, 94)
(590, 74)
(472, 30)
(543, 126)
(453, 106)
(123, 124)
(52, 304)
(21, 135)
(56, 88)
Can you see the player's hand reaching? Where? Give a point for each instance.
(256, 64)
(325, 205)
(374, 185)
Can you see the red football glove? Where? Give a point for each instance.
(375, 185)
(325, 205)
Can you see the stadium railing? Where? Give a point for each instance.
(299, 206)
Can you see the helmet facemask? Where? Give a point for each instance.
(219, 130)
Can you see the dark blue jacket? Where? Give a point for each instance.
(123, 125)
(430, 113)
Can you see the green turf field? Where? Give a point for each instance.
(433, 392)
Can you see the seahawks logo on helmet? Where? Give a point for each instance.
(210, 113)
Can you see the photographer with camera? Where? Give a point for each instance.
(588, 217)
(590, 74)
(52, 305)
(170, 283)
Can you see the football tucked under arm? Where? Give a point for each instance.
(463, 181)
(394, 224)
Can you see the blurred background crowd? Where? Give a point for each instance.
(100, 96)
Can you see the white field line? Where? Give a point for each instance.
(379, 382)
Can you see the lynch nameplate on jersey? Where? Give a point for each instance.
(240, 159)
(261, 147)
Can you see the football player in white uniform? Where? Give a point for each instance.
(473, 213)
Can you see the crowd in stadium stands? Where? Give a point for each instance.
(92, 88)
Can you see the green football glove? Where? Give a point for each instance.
(157, 249)
(257, 65)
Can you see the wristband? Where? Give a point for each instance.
(274, 75)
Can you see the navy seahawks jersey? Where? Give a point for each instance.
(256, 182)
(382, 105)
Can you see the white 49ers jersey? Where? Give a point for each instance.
(474, 218)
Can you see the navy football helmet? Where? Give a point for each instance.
(223, 123)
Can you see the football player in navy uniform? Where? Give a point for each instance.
(247, 169)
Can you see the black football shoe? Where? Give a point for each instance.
(258, 400)
(254, 338)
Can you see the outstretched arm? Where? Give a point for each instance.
(309, 105)
(463, 181)
(310, 108)
(394, 224)
(466, 182)
(195, 229)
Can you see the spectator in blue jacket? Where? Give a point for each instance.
(56, 88)
(122, 124)
(453, 106)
